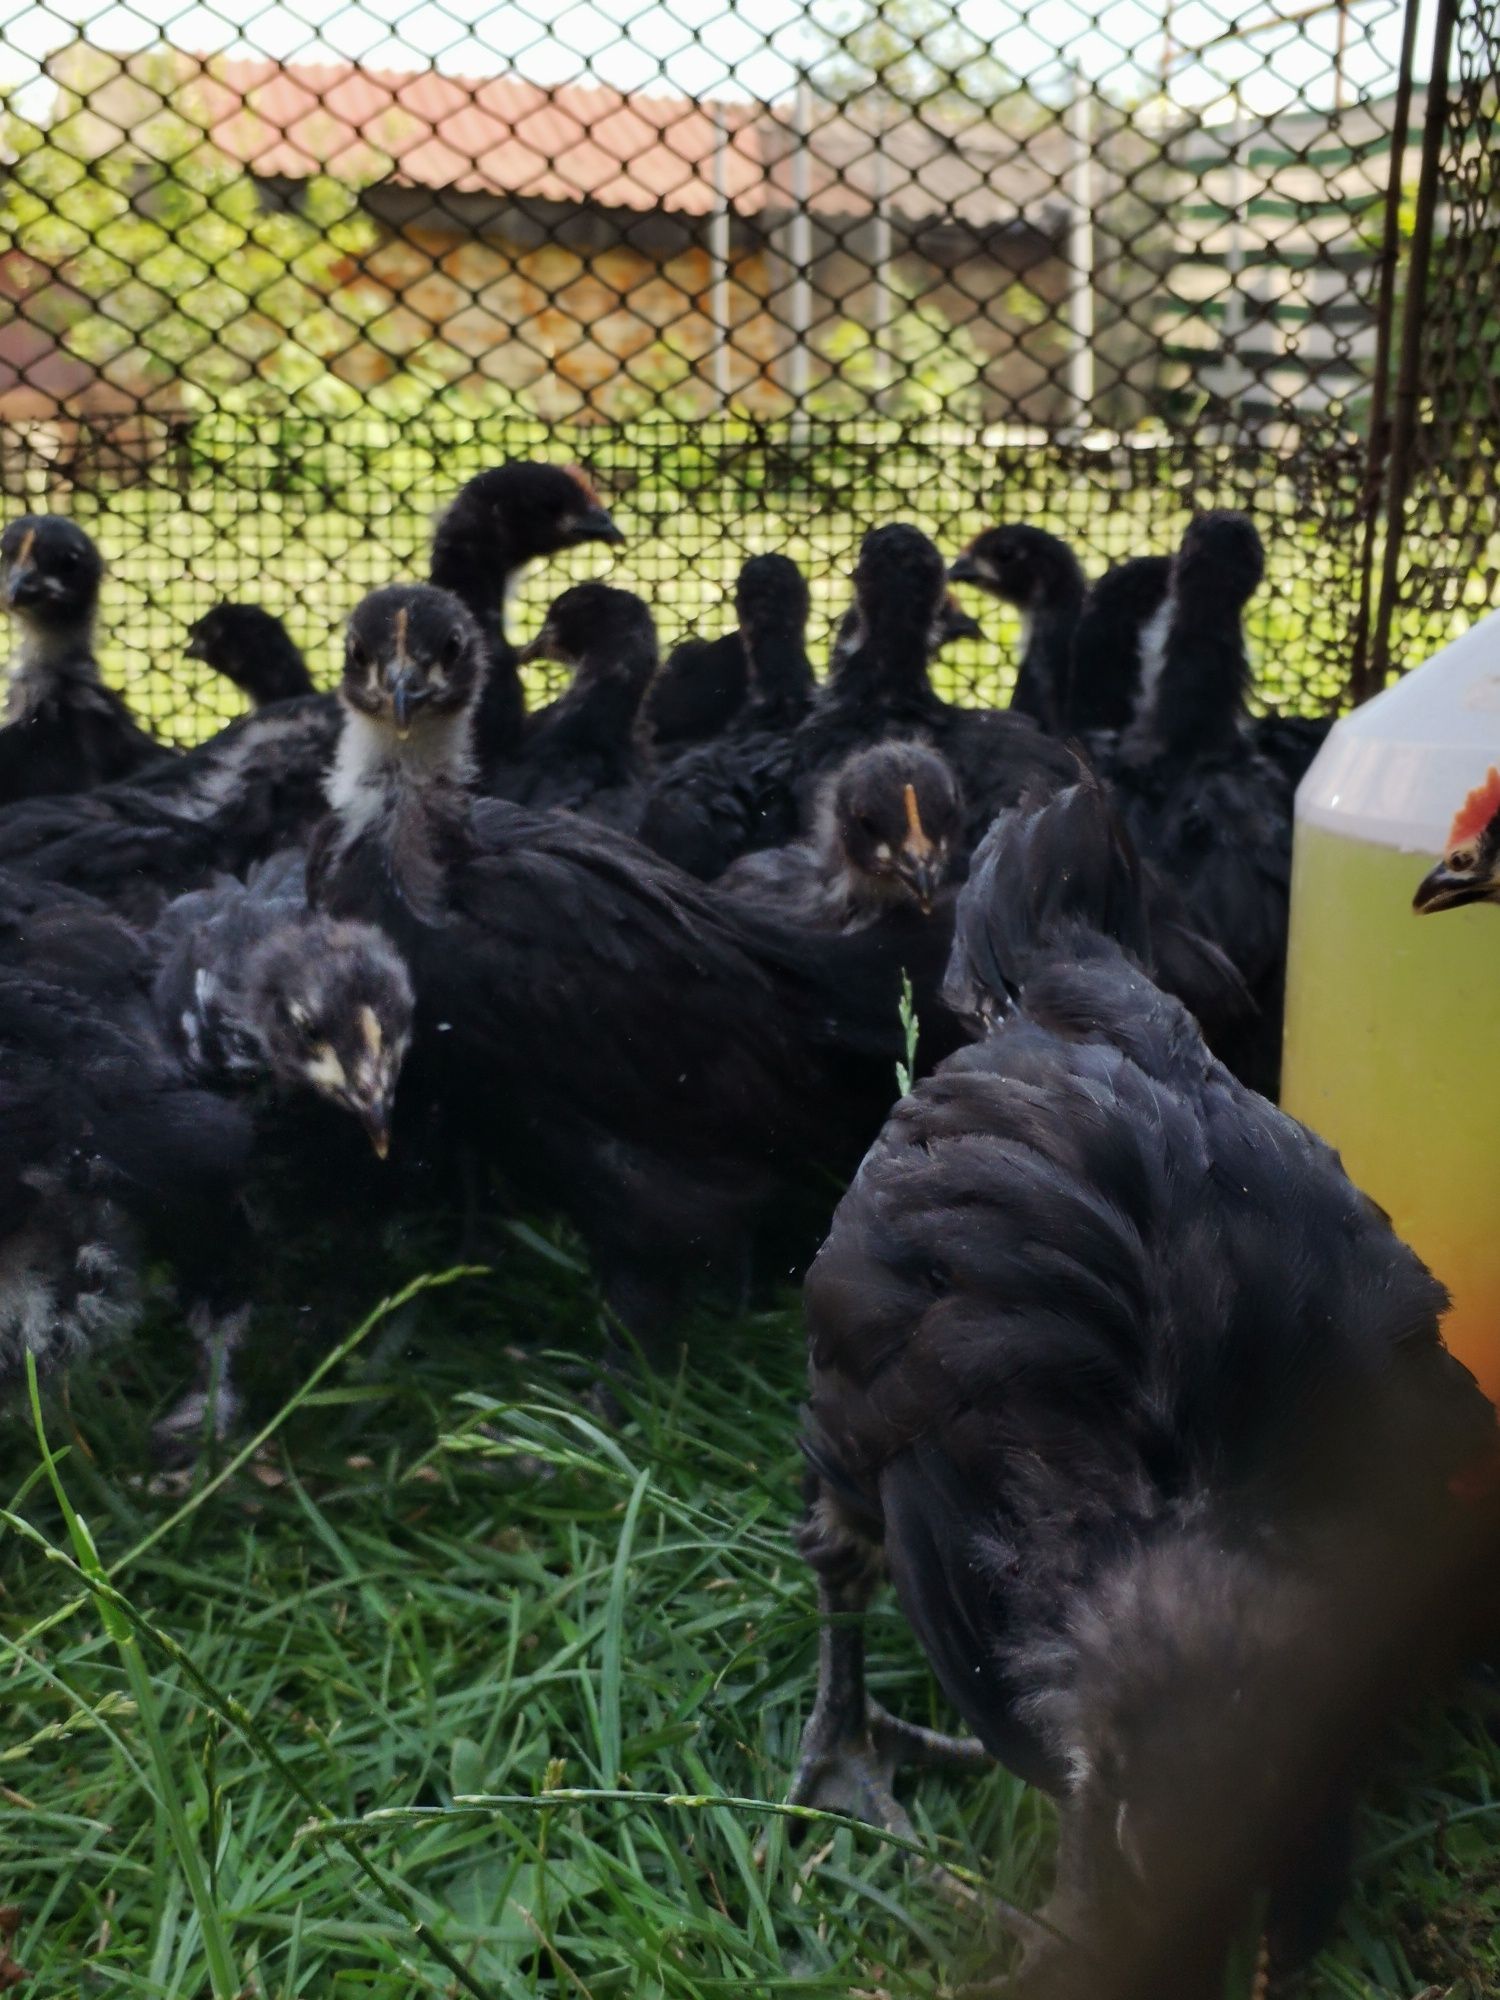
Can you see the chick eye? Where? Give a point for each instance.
(866, 825)
(299, 1023)
(1462, 858)
(453, 645)
(359, 659)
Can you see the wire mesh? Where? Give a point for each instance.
(264, 304)
(1449, 557)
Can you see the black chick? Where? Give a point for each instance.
(735, 795)
(772, 603)
(255, 787)
(1107, 644)
(1195, 666)
(253, 987)
(26, 905)
(627, 1048)
(64, 730)
(950, 622)
(888, 832)
(1118, 646)
(700, 689)
(252, 648)
(500, 523)
(1213, 817)
(110, 1156)
(1040, 575)
(1469, 871)
(119, 844)
(756, 677)
(308, 1020)
(1144, 1409)
(237, 986)
(583, 751)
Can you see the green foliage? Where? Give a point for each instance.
(154, 259)
(919, 53)
(440, 1686)
(910, 1028)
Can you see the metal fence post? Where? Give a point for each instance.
(1408, 380)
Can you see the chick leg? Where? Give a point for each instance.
(211, 1408)
(851, 1746)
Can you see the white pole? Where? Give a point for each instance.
(1080, 123)
(718, 258)
(799, 244)
(880, 313)
(1236, 196)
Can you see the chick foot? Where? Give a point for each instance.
(852, 1748)
(849, 1760)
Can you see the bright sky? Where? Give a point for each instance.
(746, 47)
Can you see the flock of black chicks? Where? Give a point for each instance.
(1138, 1403)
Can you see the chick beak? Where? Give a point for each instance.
(376, 1119)
(23, 585)
(539, 648)
(597, 524)
(1443, 889)
(920, 864)
(923, 875)
(193, 650)
(964, 570)
(405, 694)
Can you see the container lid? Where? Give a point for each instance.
(1396, 770)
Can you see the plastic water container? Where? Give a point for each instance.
(1392, 1047)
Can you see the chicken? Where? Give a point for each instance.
(950, 622)
(252, 648)
(1040, 575)
(1145, 1411)
(700, 689)
(110, 1156)
(500, 523)
(772, 603)
(627, 1048)
(250, 985)
(757, 676)
(888, 831)
(584, 750)
(1107, 643)
(1213, 817)
(1123, 627)
(734, 794)
(238, 986)
(1469, 871)
(64, 730)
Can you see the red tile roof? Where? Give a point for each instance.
(496, 135)
(589, 143)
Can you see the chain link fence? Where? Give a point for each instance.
(268, 294)
(1442, 559)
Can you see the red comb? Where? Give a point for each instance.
(590, 493)
(1477, 810)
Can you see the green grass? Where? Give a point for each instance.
(438, 1580)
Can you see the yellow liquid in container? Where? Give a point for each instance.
(1392, 1054)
